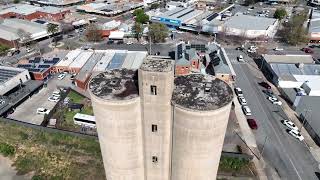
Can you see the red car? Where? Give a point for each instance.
(307, 50)
(265, 85)
(252, 123)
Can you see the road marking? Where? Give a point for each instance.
(270, 124)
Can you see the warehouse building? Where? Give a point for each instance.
(185, 18)
(11, 77)
(103, 60)
(250, 26)
(57, 3)
(30, 12)
(157, 126)
(109, 9)
(9, 31)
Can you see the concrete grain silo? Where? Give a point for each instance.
(201, 108)
(117, 108)
(156, 78)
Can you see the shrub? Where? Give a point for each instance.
(7, 149)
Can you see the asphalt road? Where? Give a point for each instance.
(287, 157)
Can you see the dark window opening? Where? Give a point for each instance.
(154, 128)
(154, 159)
(153, 90)
(27, 77)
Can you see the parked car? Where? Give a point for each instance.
(56, 93)
(307, 50)
(290, 125)
(252, 123)
(13, 51)
(242, 100)
(110, 42)
(238, 91)
(29, 50)
(61, 76)
(144, 43)
(240, 58)
(265, 85)
(54, 99)
(278, 49)
(269, 93)
(274, 100)
(296, 134)
(239, 48)
(251, 51)
(246, 110)
(43, 111)
(129, 42)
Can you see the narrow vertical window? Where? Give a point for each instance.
(153, 90)
(154, 128)
(154, 159)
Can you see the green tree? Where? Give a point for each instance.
(141, 16)
(137, 30)
(293, 32)
(93, 33)
(155, 6)
(16, 1)
(53, 29)
(158, 32)
(280, 13)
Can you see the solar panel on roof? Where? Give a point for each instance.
(179, 51)
(116, 61)
(44, 66)
(55, 60)
(24, 65)
(34, 70)
(212, 16)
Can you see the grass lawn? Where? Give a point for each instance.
(76, 98)
(237, 166)
(51, 155)
(66, 117)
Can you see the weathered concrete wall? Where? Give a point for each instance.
(157, 110)
(120, 130)
(197, 142)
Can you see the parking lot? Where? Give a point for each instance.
(27, 111)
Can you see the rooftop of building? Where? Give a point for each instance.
(9, 28)
(26, 9)
(116, 84)
(86, 70)
(295, 69)
(182, 14)
(201, 92)
(247, 22)
(39, 64)
(105, 7)
(314, 26)
(58, 2)
(6, 73)
(157, 64)
(289, 58)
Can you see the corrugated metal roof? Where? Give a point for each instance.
(248, 22)
(293, 59)
(117, 60)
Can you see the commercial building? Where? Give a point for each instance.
(109, 9)
(203, 58)
(250, 26)
(30, 12)
(185, 18)
(57, 3)
(39, 67)
(11, 77)
(154, 126)
(9, 31)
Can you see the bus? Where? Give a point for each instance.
(84, 120)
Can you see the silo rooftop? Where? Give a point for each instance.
(200, 92)
(117, 84)
(157, 65)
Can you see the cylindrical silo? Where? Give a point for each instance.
(201, 108)
(116, 106)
